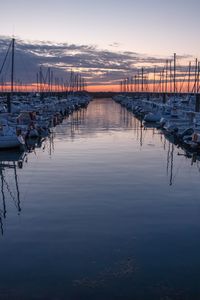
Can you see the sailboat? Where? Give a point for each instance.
(8, 135)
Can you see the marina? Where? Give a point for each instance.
(32, 115)
(99, 150)
(103, 208)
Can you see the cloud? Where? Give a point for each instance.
(98, 66)
(114, 45)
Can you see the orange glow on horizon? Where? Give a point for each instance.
(34, 87)
(147, 87)
(103, 88)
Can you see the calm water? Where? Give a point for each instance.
(103, 210)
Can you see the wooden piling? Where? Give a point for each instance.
(9, 102)
(197, 104)
(164, 98)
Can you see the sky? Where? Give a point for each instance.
(137, 29)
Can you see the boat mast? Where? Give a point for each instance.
(49, 81)
(135, 87)
(163, 81)
(166, 76)
(142, 79)
(195, 76)
(9, 98)
(131, 83)
(160, 83)
(154, 79)
(127, 82)
(189, 75)
(174, 73)
(37, 79)
(198, 69)
(12, 68)
(170, 75)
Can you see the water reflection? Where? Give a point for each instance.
(10, 160)
(100, 116)
(106, 115)
(110, 211)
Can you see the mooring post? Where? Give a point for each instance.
(164, 98)
(9, 102)
(41, 96)
(197, 104)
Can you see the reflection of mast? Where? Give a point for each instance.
(17, 189)
(77, 119)
(168, 155)
(10, 164)
(51, 143)
(172, 164)
(141, 133)
(3, 194)
(1, 225)
(2, 212)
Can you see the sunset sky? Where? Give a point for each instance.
(105, 40)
